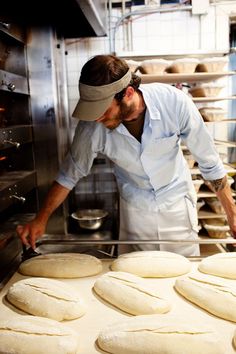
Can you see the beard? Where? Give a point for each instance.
(123, 114)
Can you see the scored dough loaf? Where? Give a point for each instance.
(129, 293)
(61, 265)
(220, 264)
(156, 334)
(153, 264)
(212, 295)
(46, 298)
(36, 335)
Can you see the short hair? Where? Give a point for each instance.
(105, 69)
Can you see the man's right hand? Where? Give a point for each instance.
(30, 232)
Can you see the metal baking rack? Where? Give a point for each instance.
(58, 243)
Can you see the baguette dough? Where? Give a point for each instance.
(61, 265)
(153, 264)
(214, 296)
(220, 264)
(155, 334)
(129, 293)
(36, 335)
(46, 298)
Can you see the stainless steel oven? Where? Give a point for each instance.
(30, 122)
(34, 137)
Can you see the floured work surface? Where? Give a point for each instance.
(99, 314)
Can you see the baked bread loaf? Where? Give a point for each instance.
(205, 90)
(152, 264)
(212, 295)
(216, 227)
(61, 265)
(220, 264)
(129, 293)
(36, 335)
(46, 298)
(133, 64)
(158, 334)
(217, 231)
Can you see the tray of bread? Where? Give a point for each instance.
(140, 302)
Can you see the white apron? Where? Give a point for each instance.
(172, 222)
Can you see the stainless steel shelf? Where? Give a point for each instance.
(50, 239)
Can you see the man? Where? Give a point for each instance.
(139, 127)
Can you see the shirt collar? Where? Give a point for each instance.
(154, 112)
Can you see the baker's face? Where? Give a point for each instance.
(116, 114)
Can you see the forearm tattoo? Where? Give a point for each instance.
(218, 184)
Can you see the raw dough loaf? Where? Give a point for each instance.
(152, 264)
(153, 66)
(46, 298)
(220, 264)
(129, 293)
(61, 265)
(36, 335)
(183, 65)
(212, 64)
(155, 334)
(212, 295)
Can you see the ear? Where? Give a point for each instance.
(129, 92)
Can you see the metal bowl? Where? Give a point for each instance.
(90, 219)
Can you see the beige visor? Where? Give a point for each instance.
(95, 100)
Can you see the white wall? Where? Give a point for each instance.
(79, 51)
(156, 34)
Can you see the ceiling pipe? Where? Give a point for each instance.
(146, 11)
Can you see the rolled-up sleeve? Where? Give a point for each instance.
(79, 158)
(69, 174)
(199, 141)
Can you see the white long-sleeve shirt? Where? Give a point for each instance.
(153, 172)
